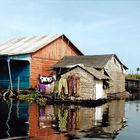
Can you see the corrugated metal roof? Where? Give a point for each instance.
(26, 44)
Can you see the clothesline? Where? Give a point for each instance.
(69, 86)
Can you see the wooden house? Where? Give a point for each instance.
(90, 82)
(24, 59)
(107, 64)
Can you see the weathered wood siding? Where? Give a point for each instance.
(115, 71)
(87, 83)
(48, 56)
(86, 118)
(113, 107)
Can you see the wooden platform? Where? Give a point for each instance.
(132, 84)
(67, 101)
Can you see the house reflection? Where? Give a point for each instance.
(109, 119)
(61, 121)
(116, 113)
(101, 122)
(41, 123)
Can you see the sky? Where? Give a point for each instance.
(94, 26)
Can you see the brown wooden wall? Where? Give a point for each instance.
(48, 56)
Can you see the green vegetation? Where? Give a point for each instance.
(33, 97)
(135, 75)
(41, 101)
(27, 97)
(132, 76)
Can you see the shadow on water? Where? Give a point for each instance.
(54, 122)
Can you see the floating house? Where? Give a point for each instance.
(22, 60)
(108, 65)
(89, 82)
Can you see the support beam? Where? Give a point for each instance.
(10, 76)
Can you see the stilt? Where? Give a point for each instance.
(10, 77)
(18, 84)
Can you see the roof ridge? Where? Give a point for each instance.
(93, 55)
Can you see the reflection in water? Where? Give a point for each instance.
(135, 95)
(13, 118)
(42, 122)
(76, 121)
(54, 122)
(116, 113)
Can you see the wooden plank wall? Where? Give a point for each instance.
(48, 56)
(117, 81)
(39, 67)
(87, 83)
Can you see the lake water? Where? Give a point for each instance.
(115, 120)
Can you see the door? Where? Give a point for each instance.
(99, 90)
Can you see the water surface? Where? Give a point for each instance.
(114, 120)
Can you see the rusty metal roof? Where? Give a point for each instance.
(26, 45)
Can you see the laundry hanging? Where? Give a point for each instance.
(62, 86)
(73, 85)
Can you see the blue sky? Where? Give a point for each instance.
(94, 26)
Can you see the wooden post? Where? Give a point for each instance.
(18, 84)
(10, 77)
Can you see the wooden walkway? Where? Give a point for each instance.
(132, 84)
